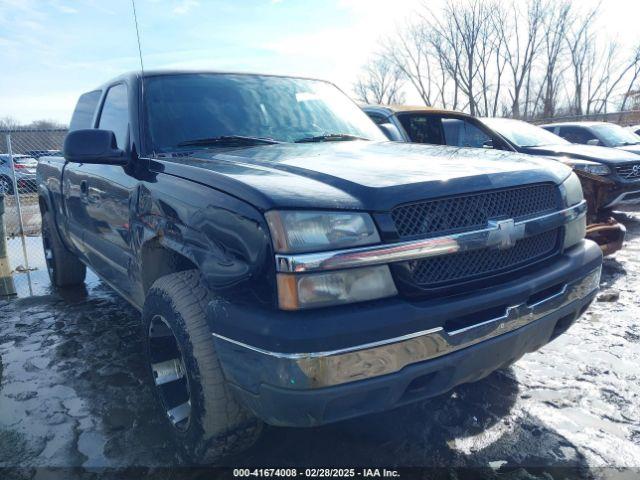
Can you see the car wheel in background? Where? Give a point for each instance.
(6, 185)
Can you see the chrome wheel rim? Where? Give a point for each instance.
(4, 186)
(169, 373)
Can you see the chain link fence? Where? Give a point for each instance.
(23, 268)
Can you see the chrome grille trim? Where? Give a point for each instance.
(490, 237)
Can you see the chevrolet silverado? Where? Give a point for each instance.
(291, 265)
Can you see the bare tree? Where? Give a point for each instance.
(8, 123)
(409, 52)
(380, 82)
(632, 84)
(605, 73)
(46, 125)
(492, 62)
(456, 36)
(521, 58)
(554, 47)
(580, 41)
(521, 35)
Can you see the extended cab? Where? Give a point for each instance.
(293, 267)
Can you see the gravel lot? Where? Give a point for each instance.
(74, 394)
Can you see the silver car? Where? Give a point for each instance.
(25, 174)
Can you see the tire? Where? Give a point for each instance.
(65, 269)
(6, 185)
(216, 425)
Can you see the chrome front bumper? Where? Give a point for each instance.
(323, 369)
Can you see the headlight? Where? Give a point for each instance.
(311, 290)
(295, 232)
(575, 230)
(310, 231)
(572, 190)
(589, 167)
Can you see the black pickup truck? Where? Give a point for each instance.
(291, 266)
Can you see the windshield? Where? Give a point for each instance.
(614, 135)
(523, 134)
(183, 108)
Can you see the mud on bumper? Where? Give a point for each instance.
(306, 389)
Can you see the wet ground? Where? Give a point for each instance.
(74, 393)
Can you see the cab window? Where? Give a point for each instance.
(115, 114)
(82, 117)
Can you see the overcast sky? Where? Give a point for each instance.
(53, 50)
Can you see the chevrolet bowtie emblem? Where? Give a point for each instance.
(505, 233)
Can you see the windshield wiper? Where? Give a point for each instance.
(228, 140)
(330, 137)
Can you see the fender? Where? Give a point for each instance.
(225, 238)
(49, 187)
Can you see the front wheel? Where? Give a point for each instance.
(205, 418)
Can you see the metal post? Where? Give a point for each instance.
(16, 194)
(7, 287)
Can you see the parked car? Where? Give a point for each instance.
(444, 127)
(635, 129)
(597, 133)
(419, 124)
(620, 169)
(43, 153)
(25, 172)
(291, 265)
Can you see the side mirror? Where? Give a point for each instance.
(594, 142)
(93, 146)
(391, 131)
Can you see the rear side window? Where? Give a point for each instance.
(460, 133)
(83, 114)
(115, 113)
(423, 128)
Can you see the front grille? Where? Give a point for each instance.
(466, 266)
(473, 211)
(629, 172)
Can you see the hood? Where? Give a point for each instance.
(372, 176)
(631, 149)
(592, 153)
